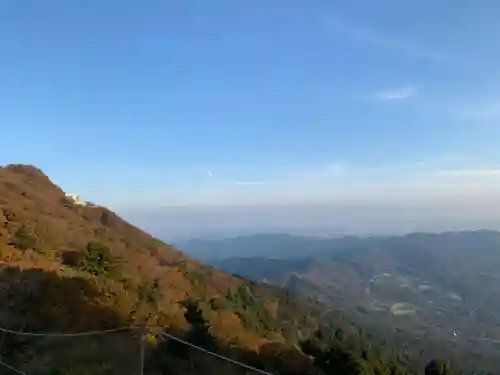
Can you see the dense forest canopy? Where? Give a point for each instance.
(437, 291)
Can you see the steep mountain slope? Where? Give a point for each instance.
(433, 288)
(67, 266)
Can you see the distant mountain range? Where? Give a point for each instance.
(268, 245)
(436, 287)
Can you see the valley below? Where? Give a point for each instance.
(435, 290)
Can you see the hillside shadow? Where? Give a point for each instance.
(38, 300)
(174, 357)
(35, 300)
(171, 357)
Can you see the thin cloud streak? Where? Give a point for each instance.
(469, 173)
(421, 179)
(389, 184)
(404, 47)
(248, 183)
(396, 94)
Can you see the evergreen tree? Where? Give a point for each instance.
(199, 333)
(437, 367)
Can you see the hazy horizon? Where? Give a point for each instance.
(181, 223)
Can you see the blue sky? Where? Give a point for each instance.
(154, 103)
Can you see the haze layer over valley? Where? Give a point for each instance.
(361, 217)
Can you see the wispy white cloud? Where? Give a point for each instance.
(312, 174)
(404, 47)
(444, 159)
(209, 174)
(299, 175)
(401, 93)
(469, 173)
(439, 170)
(247, 183)
(420, 164)
(445, 176)
(455, 157)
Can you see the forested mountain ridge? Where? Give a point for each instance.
(436, 289)
(72, 267)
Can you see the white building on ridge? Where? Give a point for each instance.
(76, 199)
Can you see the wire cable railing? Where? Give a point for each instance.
(230, 360)
(12, 368)
(118, 329)
(69, 334)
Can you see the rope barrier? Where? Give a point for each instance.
(12, 368)
(99, 332)
(60, 334)
(238, 363)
